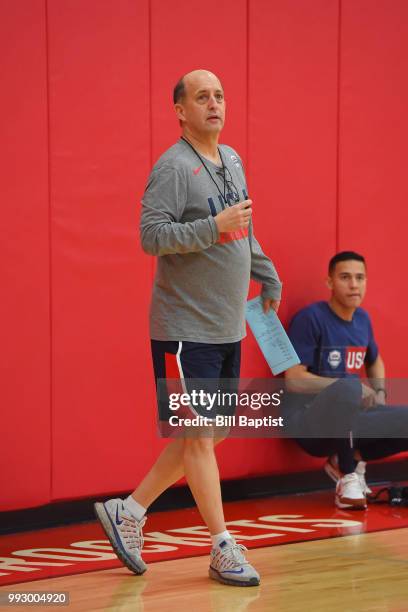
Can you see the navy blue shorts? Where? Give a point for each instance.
(212, 366)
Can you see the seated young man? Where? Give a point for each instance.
(342, 419)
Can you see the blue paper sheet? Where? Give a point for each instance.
(271, 337)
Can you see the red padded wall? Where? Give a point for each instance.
(99, 130)
(317, 183)
(373, 174)
(24, 305)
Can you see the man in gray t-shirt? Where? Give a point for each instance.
(196, 218)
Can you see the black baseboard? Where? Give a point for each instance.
(78, 511)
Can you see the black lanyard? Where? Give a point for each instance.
(223, 195)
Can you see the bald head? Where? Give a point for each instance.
(191, 81)
(199, 105)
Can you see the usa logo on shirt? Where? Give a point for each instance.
(355, 356)
(334, 359)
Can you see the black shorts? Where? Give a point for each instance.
(185, 367)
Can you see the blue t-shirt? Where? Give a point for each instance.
(330, 346)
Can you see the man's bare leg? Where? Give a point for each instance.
(227, 561)
(201, 471)
(167, 470)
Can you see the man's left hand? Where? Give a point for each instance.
(368, 397)
(268, 303)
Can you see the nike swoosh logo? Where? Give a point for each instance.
(197, 170)
(118, 522)
(241, 571)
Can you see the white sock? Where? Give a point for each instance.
(219, 537)
(134, 508)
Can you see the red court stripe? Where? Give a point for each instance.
(177, 534)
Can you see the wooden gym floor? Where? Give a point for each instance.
(310, 557)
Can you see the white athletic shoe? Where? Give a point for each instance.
(331, 467)
(124, 533)
(229, 566)
(349, 493)
(360, 471)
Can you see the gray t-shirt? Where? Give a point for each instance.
(202, 277)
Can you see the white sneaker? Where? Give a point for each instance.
(229, 566)
(124, 533)
(349, 493)
(360, 471)
(331, 467)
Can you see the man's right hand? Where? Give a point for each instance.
(234, 217)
